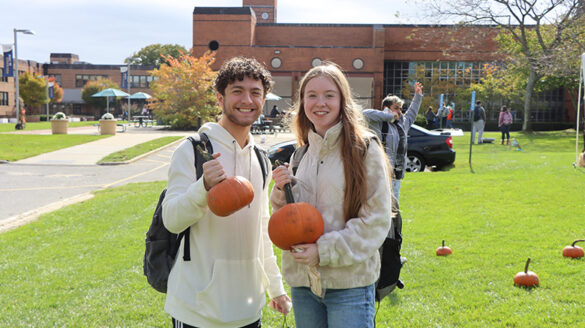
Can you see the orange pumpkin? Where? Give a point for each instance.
(526, 278)
(230, 195)
(574, 251)
(295, 223)
(444, 250)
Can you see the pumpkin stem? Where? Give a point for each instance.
(576, 241)
(206, 155)
(443, 242)
(526, 267)
(288, 194)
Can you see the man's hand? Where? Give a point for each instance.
(213, 172)
(418, 88)
(281, 304)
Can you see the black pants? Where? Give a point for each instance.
(178, 324)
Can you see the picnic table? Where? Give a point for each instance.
(142, 121)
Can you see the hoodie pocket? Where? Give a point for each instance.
(236, 291)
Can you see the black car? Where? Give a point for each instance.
(425, 148)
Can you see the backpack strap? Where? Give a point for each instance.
(203, 140)
(297, 156)
(264, 163)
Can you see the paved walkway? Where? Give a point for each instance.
(90, 153)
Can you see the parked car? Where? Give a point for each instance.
(425, 148)
(428, 148)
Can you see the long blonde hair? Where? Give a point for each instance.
(353, 145)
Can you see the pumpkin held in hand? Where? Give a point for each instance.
(526, 278)
(574, 251)
(444, 250)
(294, 223)
(230, 195)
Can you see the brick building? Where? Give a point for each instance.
(378, 59)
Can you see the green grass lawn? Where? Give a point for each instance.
(14, 147)
(9, 127)
(143, 148)
(81, 266)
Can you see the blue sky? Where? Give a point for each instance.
(107, 31)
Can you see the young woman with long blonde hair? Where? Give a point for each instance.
(345, 175)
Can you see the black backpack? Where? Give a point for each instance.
(476, 114)
(162, 245)
(391, 263)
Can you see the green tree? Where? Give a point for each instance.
(184, 91)
(532, 31)
(32, 89)
(93, 87)
(155, 54)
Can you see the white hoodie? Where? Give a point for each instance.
(232, 262)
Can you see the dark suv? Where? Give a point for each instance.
(425, 148)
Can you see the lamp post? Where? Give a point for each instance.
(16, 101)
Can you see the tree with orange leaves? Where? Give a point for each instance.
(183, 91)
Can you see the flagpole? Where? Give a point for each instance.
(581, 72)
(128, 84)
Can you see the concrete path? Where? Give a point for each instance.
(47, 182)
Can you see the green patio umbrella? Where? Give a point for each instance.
(140, 95)
(110, 92)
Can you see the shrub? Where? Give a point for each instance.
(107, 116)
(59, 116)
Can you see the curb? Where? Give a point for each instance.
(33, 215)
(143, 155)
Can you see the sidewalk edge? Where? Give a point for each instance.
(32, 215)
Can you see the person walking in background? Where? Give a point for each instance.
(345, 175)
(392, 129)
(450, 113)
(504, 123)
(479, 119)
(232, 263)
(430, 117)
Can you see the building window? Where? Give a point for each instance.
(3, 78)
(316, 62)
(82, 79)
(57, 78)
(275, 62)
(213, 45)
(3, 98)
(140, 81)
(358, 63)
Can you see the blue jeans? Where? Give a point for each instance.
(396, 183)
(505, 132)
(339, 308)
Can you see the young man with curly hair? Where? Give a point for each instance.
(232, 264)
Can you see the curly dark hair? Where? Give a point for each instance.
(239, 67)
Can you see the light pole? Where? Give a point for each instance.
(16, 101)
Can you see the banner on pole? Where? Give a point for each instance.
(8, 61)
(51, 90)
(124, 77)
(472, 100)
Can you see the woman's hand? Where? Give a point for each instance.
(281, 176)
(418, 88)
(307, 254)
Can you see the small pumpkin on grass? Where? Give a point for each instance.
(526, 278)
(444, 250)
(294, 223)
(230, 195)
(574, 251)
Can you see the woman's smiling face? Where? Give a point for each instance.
(322, 103)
